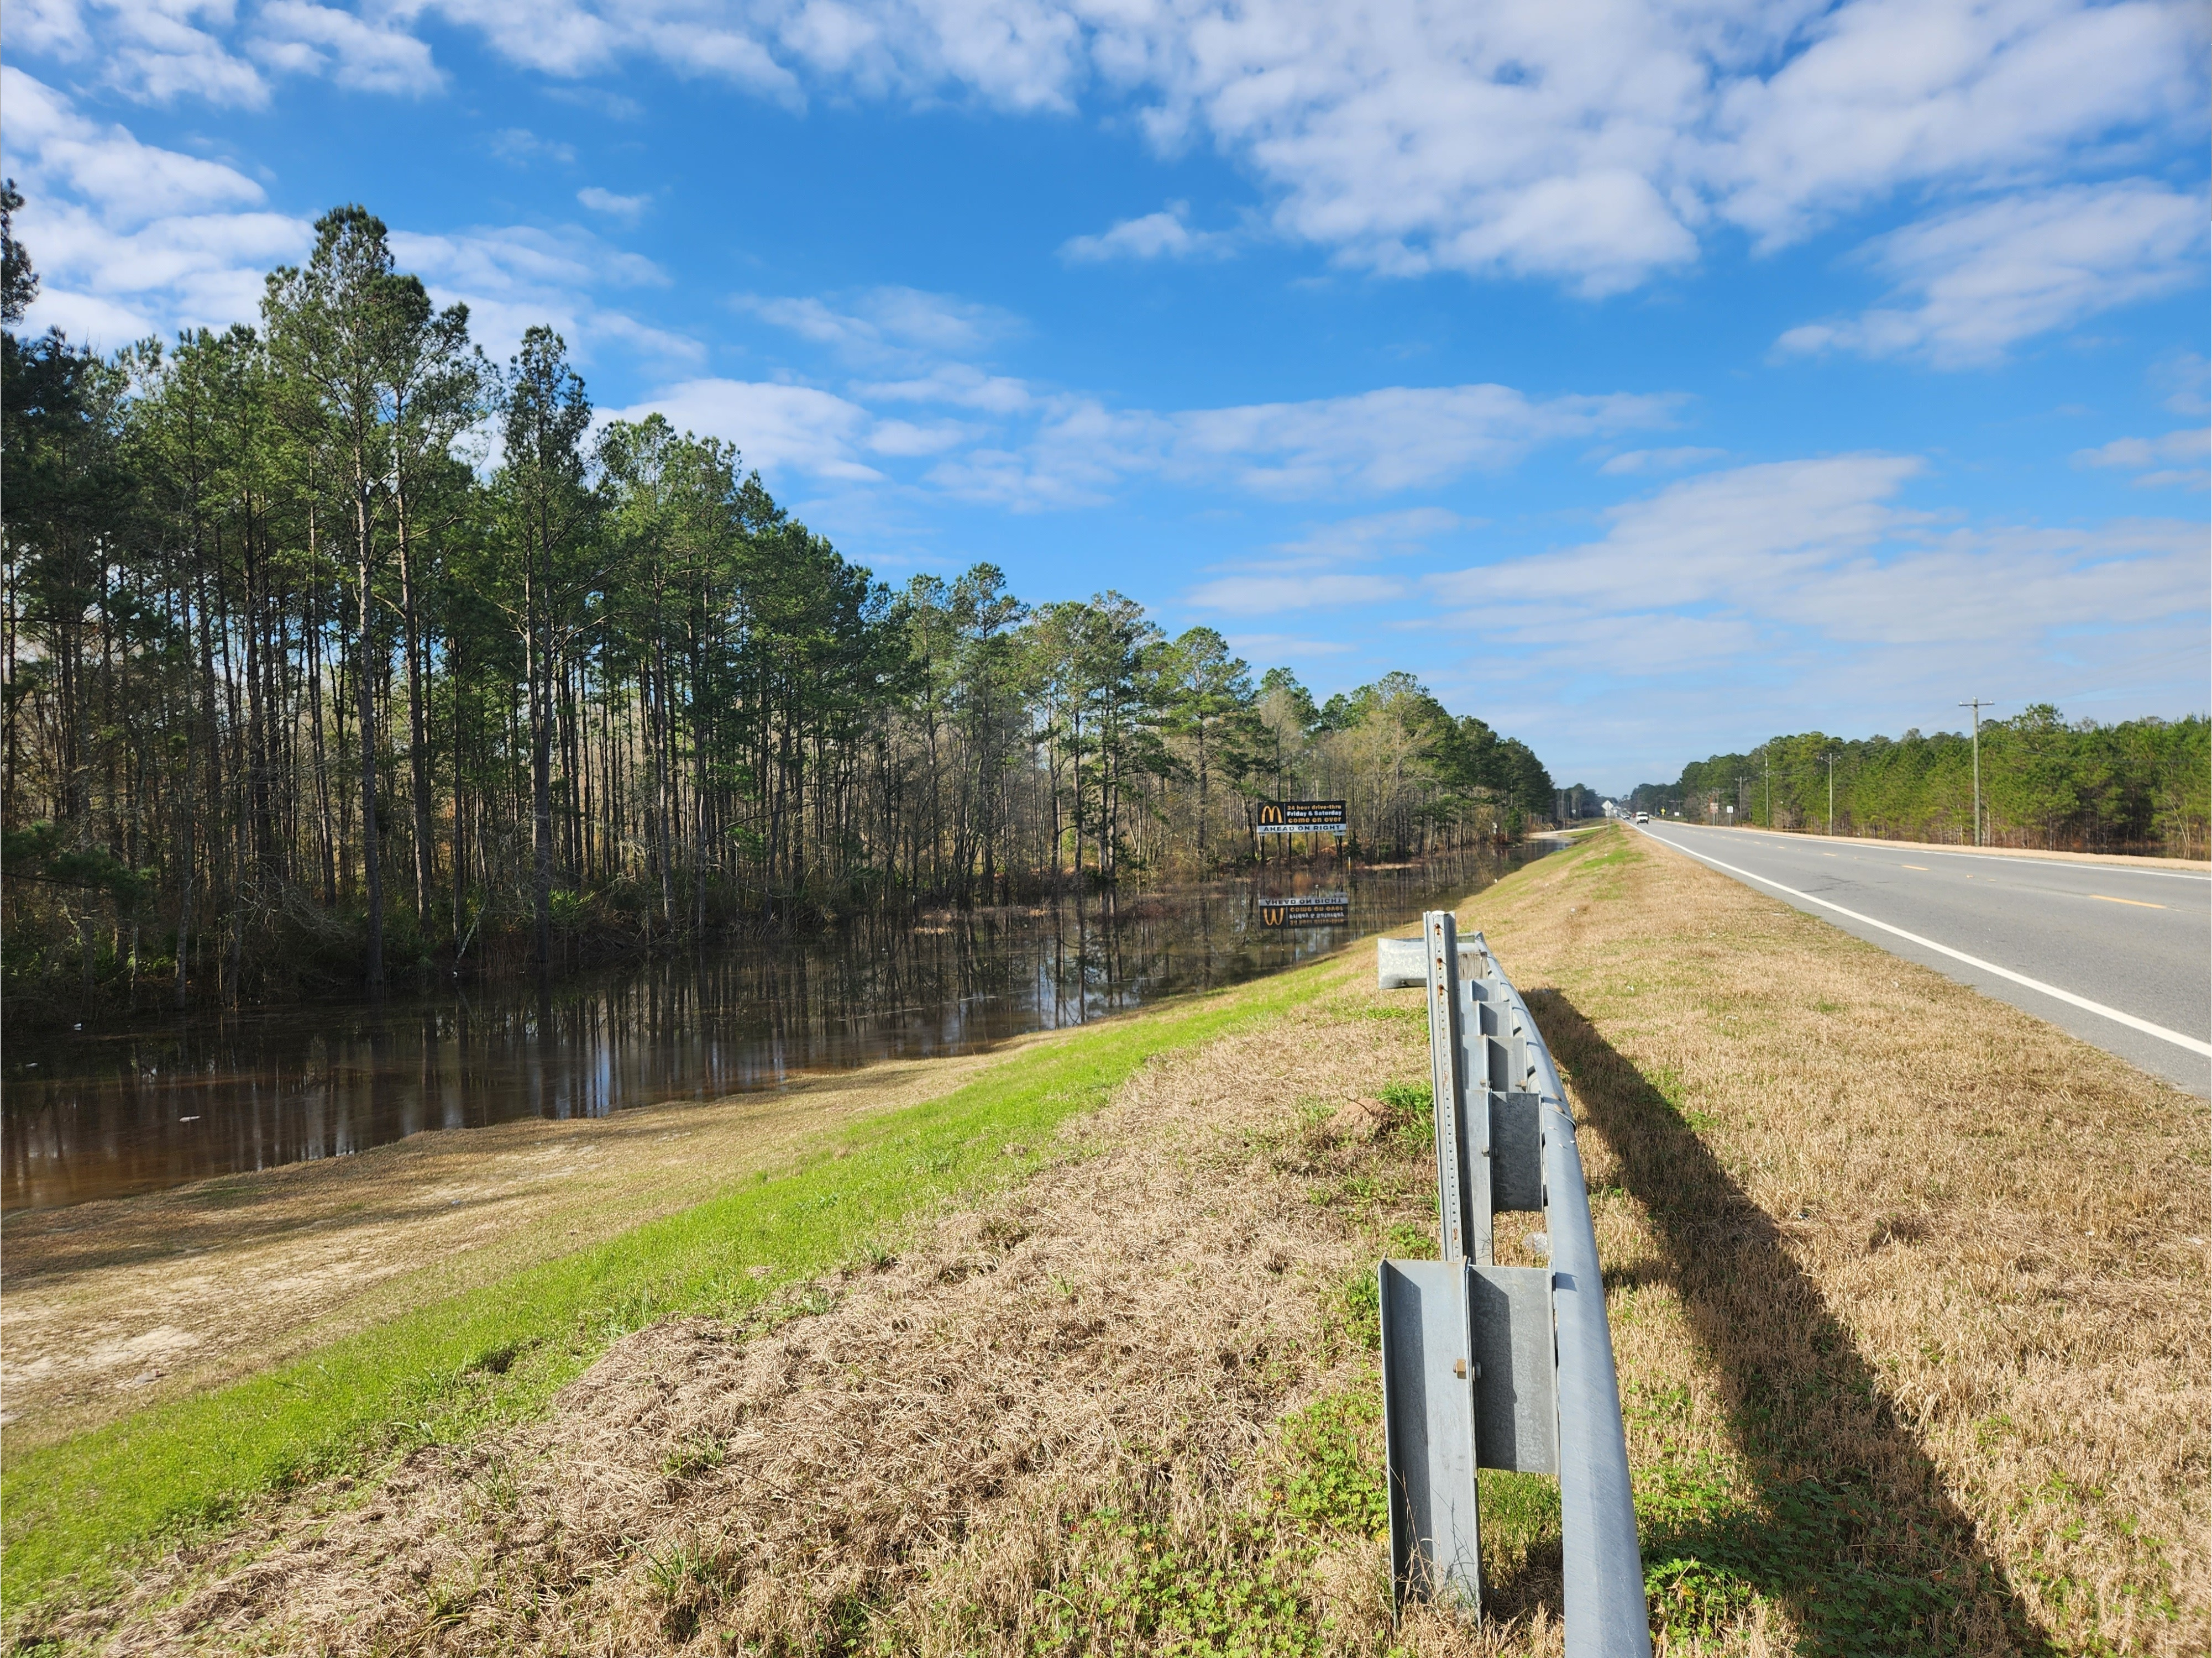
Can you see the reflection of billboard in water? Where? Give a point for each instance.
(1300, 817)
(1307, 909)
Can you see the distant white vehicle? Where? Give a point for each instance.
(1642, 817)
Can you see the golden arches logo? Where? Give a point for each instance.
(1270, 813)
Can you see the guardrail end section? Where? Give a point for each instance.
(1429, 1433)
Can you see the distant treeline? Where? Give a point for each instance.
(2139, 786)
(331, 649)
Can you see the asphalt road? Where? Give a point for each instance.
(2131, 945)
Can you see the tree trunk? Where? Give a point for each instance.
(541, 775)
(371, 861)
(418, 730)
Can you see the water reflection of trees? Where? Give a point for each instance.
(209, 1096)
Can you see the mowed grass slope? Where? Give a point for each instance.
(446, 1371)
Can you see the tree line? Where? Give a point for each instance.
(333, 649)
(2137, 785)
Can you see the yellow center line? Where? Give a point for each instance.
(1923, 868)
(2137, 902)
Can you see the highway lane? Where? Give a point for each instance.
(2132, 943)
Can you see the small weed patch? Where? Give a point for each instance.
(1333, 1475)
(1133, 1583)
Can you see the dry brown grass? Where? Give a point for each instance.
(1909, 1292)
(1904, 1246)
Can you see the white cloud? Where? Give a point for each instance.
(1371, 535)
(302, 39)
(906, 437)
(642, 338)
(514, 276)
(106, 286)
(1258, 647)
(1394, 438)
(129, 238)
(1711, 538)
(516, 259)
(1877, 95)
(1594, 145)
(2183, 378)
(1972, 283)
(2177, 461)
(625, 208)
(154, 50)
(1823, 546)
(1806, 593)
(519, 146)
(90, 319)
(1375, 442)
(776, 427)
(1156, 236)
(55, 27)
(886, 326)
(960, 385)
(1078, 456)
(1263, 595)
(109, 170)
(1636, 461)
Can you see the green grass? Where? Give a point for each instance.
(78, 1512)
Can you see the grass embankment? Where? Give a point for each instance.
(117, 1305)
(1908, 1290)
(451, 1368)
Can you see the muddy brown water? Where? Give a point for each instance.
(154, 1104)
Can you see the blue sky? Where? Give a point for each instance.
(1648, 379)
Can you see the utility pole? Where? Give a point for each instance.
(1830, 757)
(1978, 705)
(1766, 758)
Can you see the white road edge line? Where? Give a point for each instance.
(2128, 1019)
(1960, 851)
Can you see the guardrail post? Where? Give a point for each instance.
(1503, 1367)
(1463, 1136)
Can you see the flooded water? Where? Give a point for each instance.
(105, 1114)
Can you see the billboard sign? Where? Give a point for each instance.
(1300, 817)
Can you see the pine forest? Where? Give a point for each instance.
(2136, 785)
(334, 653)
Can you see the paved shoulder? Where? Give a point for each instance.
(2119, 955)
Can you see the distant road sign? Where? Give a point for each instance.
(1300, 817)
(1307, 909)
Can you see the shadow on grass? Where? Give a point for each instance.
(1850, 1528)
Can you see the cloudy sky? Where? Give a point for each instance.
(1648, 379)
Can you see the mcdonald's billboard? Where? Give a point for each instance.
(1317, 909)
(1300, 817)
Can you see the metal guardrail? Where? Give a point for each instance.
(1486, 1366)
